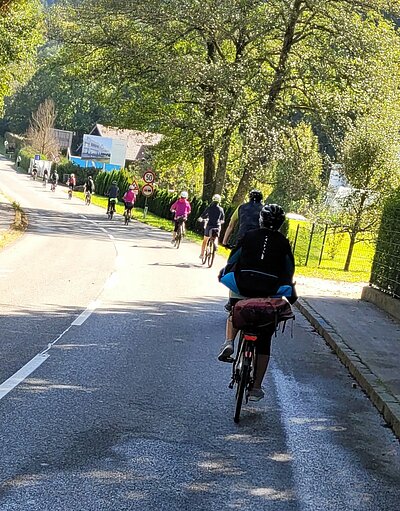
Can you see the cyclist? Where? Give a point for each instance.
(45, 177)
(112, 195)
(267, 252)
(34, 172)
(181, 209)
(129, 199)
(54, 178)
(216, 217)
(245, 218)
(88, 187)
(71, 182)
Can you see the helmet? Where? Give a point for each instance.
(272, 217)
(114, 183)
(184, 195)
(216, 197)
(255, 196)
(131, 187)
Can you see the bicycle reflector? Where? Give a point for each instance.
(249, 337)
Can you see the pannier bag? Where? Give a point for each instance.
(260, 312)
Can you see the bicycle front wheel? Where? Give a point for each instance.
(242, 384)
(178, 239)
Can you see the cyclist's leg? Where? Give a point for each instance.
(228, 347)
(203, 245)
(262, 361)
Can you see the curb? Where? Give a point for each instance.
(375, 389)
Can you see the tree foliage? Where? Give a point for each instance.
(218, 73)
(21, 31)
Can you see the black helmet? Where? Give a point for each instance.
(272, 217)
(255, 196)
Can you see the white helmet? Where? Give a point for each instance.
(216, 197)
(184, 195)
(131, 187)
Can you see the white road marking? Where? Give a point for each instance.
(111, 281)
(22, 374)
(86, 313)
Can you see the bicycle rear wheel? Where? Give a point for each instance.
(242, 384)
(178, 239)
(211, 253)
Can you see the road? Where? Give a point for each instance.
(122, 405)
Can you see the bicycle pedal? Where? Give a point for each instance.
(230, 386)
(230, 360)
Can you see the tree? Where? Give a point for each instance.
(372, 169)
(21, 32)
(41, 130)
(218, 73)
(297, 172)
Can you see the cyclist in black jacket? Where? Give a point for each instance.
(264, 263)
(215, 216)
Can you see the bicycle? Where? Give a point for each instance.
(111, 207)
(211, 248)
(180, 233)
(88, 198)
(69, 193)
(245, 363)
(53, 187)
(128, 216)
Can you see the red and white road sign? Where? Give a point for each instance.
(149, 176)
(135, 186)
(147, 190)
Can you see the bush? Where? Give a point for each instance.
(26, 154)
(67, 167)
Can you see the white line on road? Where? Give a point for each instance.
(86, 313)
(22, 374)
(111, 281)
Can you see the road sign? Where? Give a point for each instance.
(37, 157)
(147, 190)
(149, 176)
(135, 186)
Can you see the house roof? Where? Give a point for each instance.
(137, 141)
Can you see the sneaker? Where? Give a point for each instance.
(256, 394)
(201, 256)
(228, 307)
(172, 241)
(227, 350)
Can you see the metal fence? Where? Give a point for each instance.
(326, 247)
(385, 273)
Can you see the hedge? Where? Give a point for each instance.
(385, 273)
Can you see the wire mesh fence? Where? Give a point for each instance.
(385, 273)
(326, 247)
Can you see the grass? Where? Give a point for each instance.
(333, 255)
(17, 229)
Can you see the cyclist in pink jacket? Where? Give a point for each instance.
(182, 209)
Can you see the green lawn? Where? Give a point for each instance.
(334, 255)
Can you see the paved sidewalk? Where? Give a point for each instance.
(366, 339)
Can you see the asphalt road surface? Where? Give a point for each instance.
(112, 399)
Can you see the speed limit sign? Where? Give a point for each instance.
(149, 176)
(147, 190)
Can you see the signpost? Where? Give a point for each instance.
(147, 189)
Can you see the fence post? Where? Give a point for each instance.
(323, 245)
(295, 238)
(309, 244)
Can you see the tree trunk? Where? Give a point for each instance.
(353, 236)
(208, 172)
(287, 44)
(243, 187)
(222, 162)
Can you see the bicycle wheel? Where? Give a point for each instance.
(242, 384)
(178, 239)
(126, 215)
(205, 255)
(211, 254)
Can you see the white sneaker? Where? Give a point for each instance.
(227, 350)
(256, 394)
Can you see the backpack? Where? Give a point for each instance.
(260, 312)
